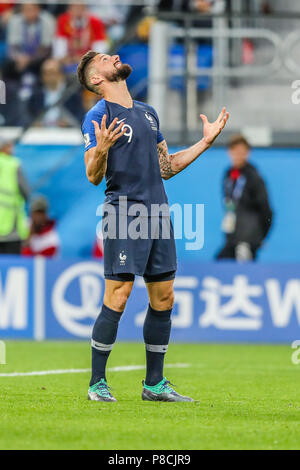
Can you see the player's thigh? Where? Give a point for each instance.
(161, 294)
(116, 294)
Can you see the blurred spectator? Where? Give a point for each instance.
(201, 6)
(207, 7)
(113, 16)
(52, 89)
(43, 239)
(248, 215)
(257, 6)
(55, 8)
(6, 11)
(77, 32)
(144, 28)
(212, 7)
(29, 39)
(266, 7)
(98, 248)
(174, 5)
(14, 191)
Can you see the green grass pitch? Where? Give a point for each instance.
(248, 396)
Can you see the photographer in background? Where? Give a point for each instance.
(248, 216)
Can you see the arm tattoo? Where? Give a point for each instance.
(165, 160)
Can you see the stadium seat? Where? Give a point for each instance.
(137, 56)
(176, 59)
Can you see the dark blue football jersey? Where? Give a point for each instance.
(132, 167)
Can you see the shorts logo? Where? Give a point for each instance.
(123, 258)
(129, 130)
(151, 120)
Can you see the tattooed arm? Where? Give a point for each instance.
(170, 165)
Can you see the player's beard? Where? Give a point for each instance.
(120, 74)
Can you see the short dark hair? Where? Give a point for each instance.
(82, 70)
(238, 139)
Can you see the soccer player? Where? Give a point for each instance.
(123, 143)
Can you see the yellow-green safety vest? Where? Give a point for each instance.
(12, 212)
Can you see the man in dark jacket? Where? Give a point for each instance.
(55, 87)
(248, 215)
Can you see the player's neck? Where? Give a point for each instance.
(117, 92)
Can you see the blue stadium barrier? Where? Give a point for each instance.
(74, 200)
(60, 299)
(137, 56)
(177, 60)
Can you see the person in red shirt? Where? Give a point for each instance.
(98, 250)
(6, 10)
(78, 31)
(43, 239)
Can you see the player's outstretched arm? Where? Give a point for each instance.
(170, 165)
(96, 158)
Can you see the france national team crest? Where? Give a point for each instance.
(151, 120)
(123, 258)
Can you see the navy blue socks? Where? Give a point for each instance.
(103, 338)
(157, 329)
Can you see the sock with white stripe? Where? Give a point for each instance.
(103, 337)
(157, 329)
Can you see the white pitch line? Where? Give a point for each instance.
(80, 371)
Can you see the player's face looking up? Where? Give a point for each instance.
(109, 68)
(238, 154)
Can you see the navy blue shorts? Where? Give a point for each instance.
(153, 257)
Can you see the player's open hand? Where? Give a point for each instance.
(211, 130)
(106, 137)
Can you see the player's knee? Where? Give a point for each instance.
(164, 301)
(118, 298)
